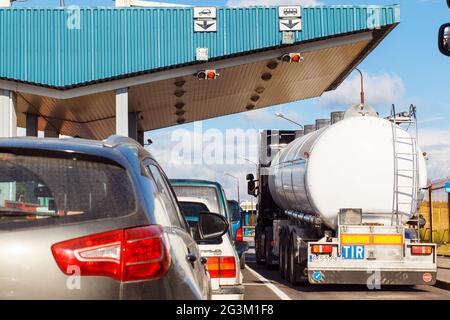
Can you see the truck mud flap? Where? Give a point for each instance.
(372, 279)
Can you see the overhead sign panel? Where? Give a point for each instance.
(205, 19)
(290, 25)
(290, 12)
(205, 13)
(290, 18)
(205, 25)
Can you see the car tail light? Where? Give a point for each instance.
(421, 250)
(213, 266)
(239, 235)
(126, 255)
(322, 249)
(221, 267)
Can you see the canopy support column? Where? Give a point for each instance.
(8, 118)
(122, 124)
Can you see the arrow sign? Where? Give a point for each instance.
(290, 25)
(205, 25)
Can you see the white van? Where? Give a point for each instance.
(196, 196)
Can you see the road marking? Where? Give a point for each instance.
(270, 285)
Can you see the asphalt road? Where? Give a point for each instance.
(263, 284)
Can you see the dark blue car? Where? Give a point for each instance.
(236, 215)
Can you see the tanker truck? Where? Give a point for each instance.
(338, 202)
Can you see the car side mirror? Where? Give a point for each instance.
(444, 39)
(212, 225)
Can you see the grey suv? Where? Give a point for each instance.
(94, 220)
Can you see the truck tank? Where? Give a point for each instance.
(350, 164)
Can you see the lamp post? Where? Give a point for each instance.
(238, 191)
(279, 115)
(251, 161)
(362, 86)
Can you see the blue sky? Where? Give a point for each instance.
(406, 68)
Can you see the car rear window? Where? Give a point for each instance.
(191, 211)
(48, 190)
(235, 210)
(205, 193)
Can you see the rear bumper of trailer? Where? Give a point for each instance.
(372, 278)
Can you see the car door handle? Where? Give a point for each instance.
(191, 257)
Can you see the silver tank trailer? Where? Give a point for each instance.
(349, 164)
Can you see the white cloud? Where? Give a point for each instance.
(198, 168)
(436, 143)
(381, 90)
(272, 2)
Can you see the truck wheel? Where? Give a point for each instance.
(287, 273)
(259, 248)
(286, 255)
(242, 261)
(268, 246)
(282, 256)
(293, 267)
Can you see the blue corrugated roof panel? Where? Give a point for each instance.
(38, 47)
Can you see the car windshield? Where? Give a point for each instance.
(58, 190)
(235, 210)
(205, 193)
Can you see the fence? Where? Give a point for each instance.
(436, 210)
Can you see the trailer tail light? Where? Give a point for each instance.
(221, 267)
(239, 235)
(421, 250)
(322, 249)
(125, 255)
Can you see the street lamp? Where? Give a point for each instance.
(279, 115)
(362, 86)
(237, 181)
(251, 161)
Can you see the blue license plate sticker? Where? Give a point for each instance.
(353, 252)
(317, 276)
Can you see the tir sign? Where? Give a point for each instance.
(353, 252)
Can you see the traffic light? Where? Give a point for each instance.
(207, 75)
(292, 57)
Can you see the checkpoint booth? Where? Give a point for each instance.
(92, 72)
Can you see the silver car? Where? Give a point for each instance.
(94, 220)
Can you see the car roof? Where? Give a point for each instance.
(112, 148)
(194, 182)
